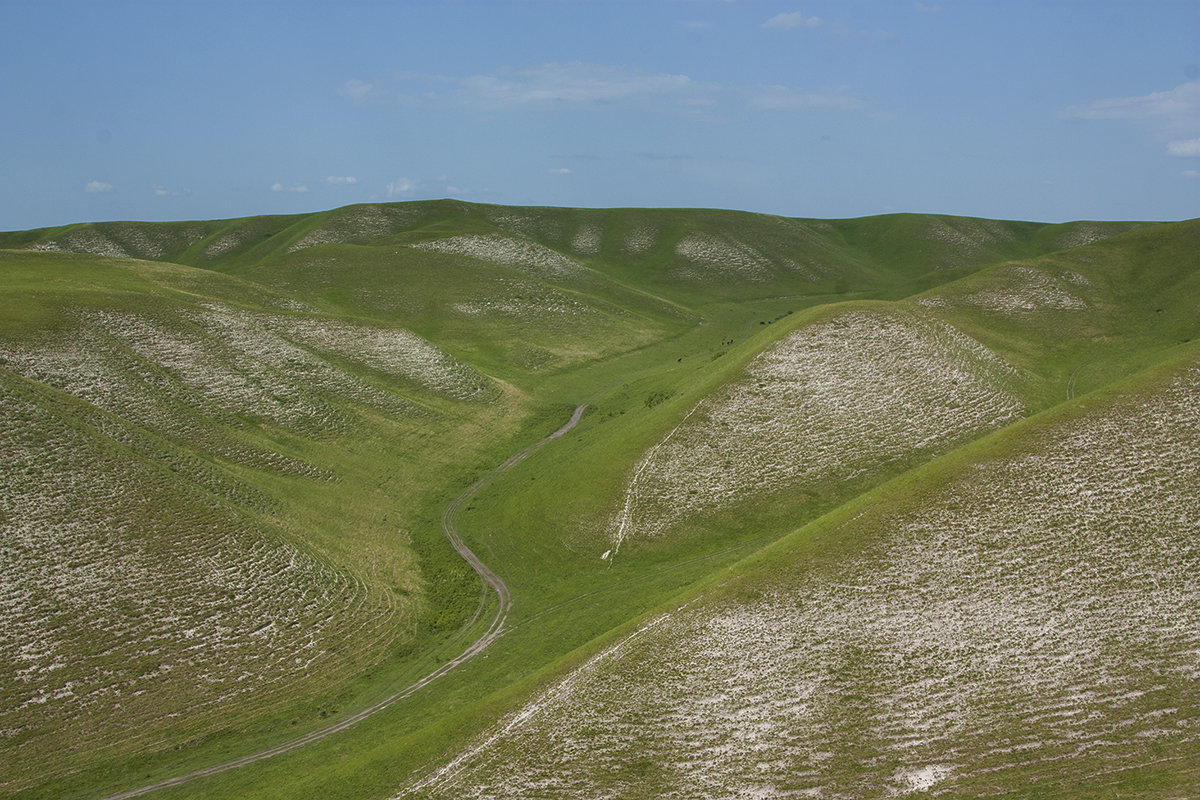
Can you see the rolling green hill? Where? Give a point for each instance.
(857, 507)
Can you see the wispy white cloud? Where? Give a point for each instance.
(279, 187)
(162, 191)
(1171, 117)
(651, 156)
(1184, 148)
(926, 9)
(785, 98)
(436, 186)
(560, 171)
(94, 187)
(556, 85)
(357, 90)
(341, 180)
(1180, 103)
(402, 187)
(1191, 173)
(601, 87)
(793, 19)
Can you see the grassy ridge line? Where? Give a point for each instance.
(1085, 316)
(890, 248)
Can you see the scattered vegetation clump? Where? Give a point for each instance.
(657, 398)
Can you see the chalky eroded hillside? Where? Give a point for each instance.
(136, 601)
(150, 593)
(525, 255)
(827, 403)
(1036, 617)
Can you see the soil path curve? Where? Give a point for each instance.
(491, 578)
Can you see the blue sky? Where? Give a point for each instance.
(1047, 110)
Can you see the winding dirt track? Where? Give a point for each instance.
(476, 647)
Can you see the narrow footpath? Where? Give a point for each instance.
(478, 646)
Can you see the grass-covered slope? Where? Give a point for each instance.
(291, 403)
(529, 289)
(196, 502)
(701, 254)
(835, 687)
(1021, 618)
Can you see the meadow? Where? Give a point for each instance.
(928, 482)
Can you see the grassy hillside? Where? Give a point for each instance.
(291, 403)
(1022, 617)
(208, 504)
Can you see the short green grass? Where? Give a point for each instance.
(667, 309)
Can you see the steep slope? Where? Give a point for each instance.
(508, 317)
(830, 402)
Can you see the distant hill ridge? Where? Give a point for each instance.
(745, 245)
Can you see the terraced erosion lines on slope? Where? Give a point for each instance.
(476, 647)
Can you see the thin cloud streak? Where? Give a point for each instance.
(1179, 103)
(401, 187)
(794, 19)
(597, 87)
(1184, 148)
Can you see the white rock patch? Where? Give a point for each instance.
(709, 254)
(520, 253)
